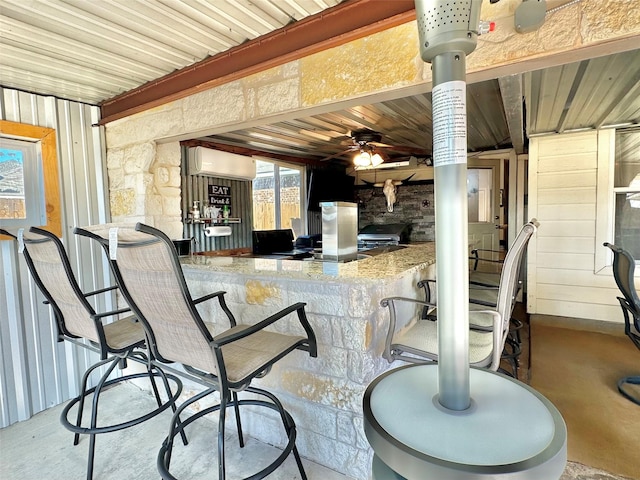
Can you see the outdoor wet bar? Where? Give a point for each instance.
(323, 394)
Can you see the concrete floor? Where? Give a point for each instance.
(41, 448)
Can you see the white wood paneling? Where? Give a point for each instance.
(565, 245)
(576, 294)
(589, 311)
(567, 228)
(605, 204)
(567, 212)
(568, 163)
(584, 278)
(571, 144)
(585, 178)
(563, 195)
(573, 261)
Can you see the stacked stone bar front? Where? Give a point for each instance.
(323, 394)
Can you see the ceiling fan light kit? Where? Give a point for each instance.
(366, 159)
(362, 159)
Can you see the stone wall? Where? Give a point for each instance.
(414, 205)
(324, 394)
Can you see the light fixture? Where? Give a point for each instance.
(376, 160)
(363, 159)
(366, 158)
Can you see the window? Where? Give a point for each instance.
(21, 189)
(618, 196)
(278, 191)
(479, 194)
(29, 190)
(626, 191)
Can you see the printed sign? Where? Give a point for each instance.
(219, 195)
(449, 102)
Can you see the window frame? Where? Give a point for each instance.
(605, 203)
(46, 138)
(303, 189)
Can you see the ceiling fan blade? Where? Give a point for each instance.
(335, 155)
(380, 145)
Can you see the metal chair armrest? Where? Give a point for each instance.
(480, 285)
(209, 296)
(498, 335)
(390, 302)
(223, 304)
(297, 307)
(111, 313)
(425, 284)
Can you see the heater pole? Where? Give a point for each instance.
(467, 438)
(448, 32)
(452, 244)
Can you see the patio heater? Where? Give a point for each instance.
(448, 421)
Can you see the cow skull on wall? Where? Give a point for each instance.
(389, 189)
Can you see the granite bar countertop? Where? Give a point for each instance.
(381, 267)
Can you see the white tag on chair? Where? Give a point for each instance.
(113, 242)
(21, 240)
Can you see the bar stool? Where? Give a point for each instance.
(77, 322)
(150, 277)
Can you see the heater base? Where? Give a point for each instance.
(509, 432)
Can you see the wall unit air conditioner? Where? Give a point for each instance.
(216, 163)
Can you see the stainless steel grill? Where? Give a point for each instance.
(373, 236)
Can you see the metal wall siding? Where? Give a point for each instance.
(37, 371)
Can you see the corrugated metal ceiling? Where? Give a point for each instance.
(593, 93)
(90, 51)
(404, 123)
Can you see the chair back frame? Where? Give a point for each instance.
(623, 273)
(37, 237)
(149, 236)
(145, 235)
(101, 234)
(501, 314)
(510, 276)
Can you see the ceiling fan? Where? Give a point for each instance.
(367, 145)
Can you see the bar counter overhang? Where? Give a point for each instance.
(343, 305)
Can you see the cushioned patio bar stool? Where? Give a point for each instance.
(413, 324)
(77, 322)
(150, 276)
(485, 295)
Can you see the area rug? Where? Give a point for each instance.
(577, 471)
